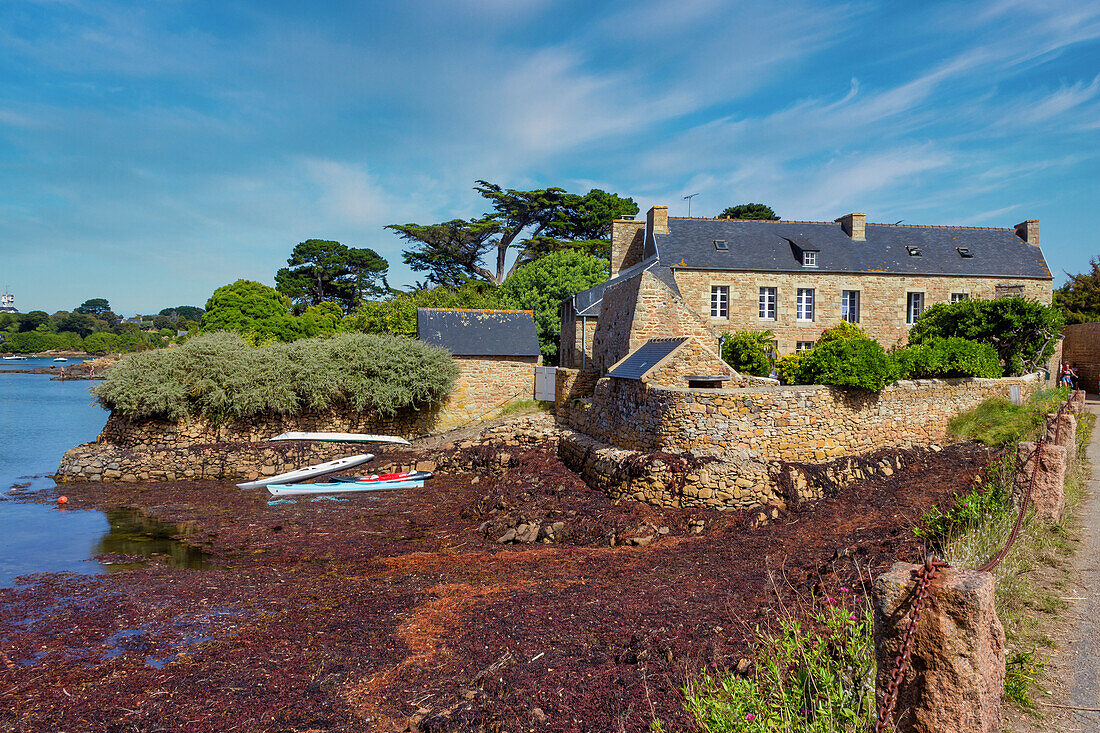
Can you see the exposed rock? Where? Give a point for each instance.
(957, 669)
(1048, 494)
(509, 536)
(526, 533)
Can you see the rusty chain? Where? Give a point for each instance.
(996, 560)
(927, 573)
(924, 576)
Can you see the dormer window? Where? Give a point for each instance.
(809, 258)
(720, 245)
(914, 251)
(965, 252)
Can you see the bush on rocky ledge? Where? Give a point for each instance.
(220, 376)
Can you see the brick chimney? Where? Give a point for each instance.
(1029, 231)
(657, 220)
(627, 241)
(854, 225)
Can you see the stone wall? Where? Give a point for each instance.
(575, 344)
(746, 436)
(882, 300)
(573, 384)
(159, 449)
(638, 309)
(238, 462)
(1081, 346)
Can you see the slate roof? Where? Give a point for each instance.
(645, 357)
(777, 246)
(479, 332)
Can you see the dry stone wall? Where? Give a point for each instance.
(744, 439)
(152, 449)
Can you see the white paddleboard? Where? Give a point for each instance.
(302, 474)
(342, 438)
(344, 487)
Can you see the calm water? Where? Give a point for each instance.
(40, 420)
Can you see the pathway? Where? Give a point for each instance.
(1081, 653)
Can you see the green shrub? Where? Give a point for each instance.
(843, 331)
(747, 352)
(1023, 332)
(949, 357)
(815, 677)
(789, 368)
(860, 363)
(220, 376)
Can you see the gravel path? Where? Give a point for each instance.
(1084, 687)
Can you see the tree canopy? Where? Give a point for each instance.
(261, 313)
(321, 271)
(542, 285)
(760, 212)
(530, 223)
(94, 307)
(1079, 299)
(190, 312)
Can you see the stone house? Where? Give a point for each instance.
(676, 277)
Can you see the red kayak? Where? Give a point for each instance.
(385, 477)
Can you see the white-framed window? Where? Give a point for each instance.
(767, 303)
(804, 304)
(849, 306)
(809, 259)
(913, 306)
(958, 297)
(720, 301)
(803, 345)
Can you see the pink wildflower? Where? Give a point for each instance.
(845, 589)
(750, 717)
(830, 601)
(853, 617)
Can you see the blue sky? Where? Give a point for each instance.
(152, 151)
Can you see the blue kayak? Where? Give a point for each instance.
(342, 487)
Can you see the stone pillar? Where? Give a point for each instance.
(1062, 430)
(957, 667)
(1048, 495)
(1077, 400)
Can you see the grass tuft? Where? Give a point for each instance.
(997, 421)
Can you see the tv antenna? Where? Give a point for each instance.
(688, 198)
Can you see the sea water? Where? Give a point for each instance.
(40, 419)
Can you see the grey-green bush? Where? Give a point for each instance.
(220, 376)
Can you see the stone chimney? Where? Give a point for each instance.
(627, 242)
(854, 225)
(1029, 231)
(657, 220)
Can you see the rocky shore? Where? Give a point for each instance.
(505, 595)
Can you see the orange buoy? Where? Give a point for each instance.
(62, 500)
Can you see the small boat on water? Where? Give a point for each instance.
(383, 477)
(308, 472)
(341, 487)
(342, 438)
(15, 358)
(60, 358)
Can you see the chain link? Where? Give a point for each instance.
(924, 576)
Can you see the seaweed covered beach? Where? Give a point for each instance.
(401, 611)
